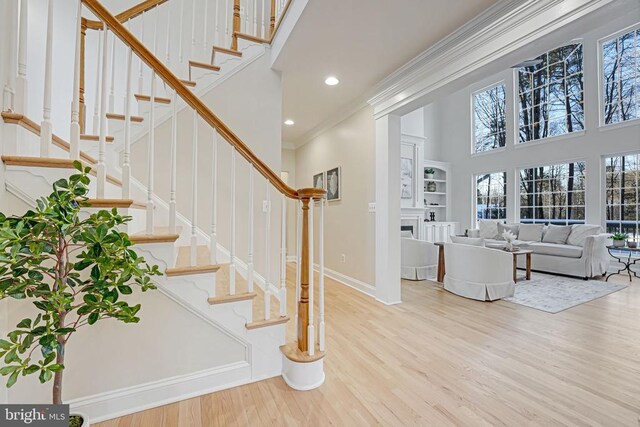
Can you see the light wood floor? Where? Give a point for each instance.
(438, 359)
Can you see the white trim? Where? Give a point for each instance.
(412, 139)
(472, 130)
(332, 121)
(549, 139)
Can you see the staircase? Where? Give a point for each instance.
(221, 242)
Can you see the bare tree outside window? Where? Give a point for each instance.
(622, 175)
(489, 120)
(491, 193)
(621, 77)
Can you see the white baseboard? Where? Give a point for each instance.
(349, 281)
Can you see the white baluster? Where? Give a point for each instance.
(213, 249)
(193, 29)
(227, 19)
(232, 246)
(298, 257)
(46, 127)
(96, 104)
(141, 70)
(173, 168)
(250, 269)
(216, 38)
(151, 150)
(102, 145)
(11, 57)
(126, 155)
(74, 142)
(283, 258)
(311, 341)
(205, 25)
(194, 194)
(20, 99)
(267, 255)
(265, 20)
(112, 96)
(168, 34)
(321, 341)
(180, 43)
(255, 17)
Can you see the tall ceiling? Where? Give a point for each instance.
(360, 42)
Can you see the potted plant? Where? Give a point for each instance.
(619, 239)
(429, 172)
(75, 271)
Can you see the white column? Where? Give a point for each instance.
(251, 229)
(151, 150)
(173, 167)
(311, 334)
(213, 249)
(267, 256)
(102, 146)
(74, 142)
(194, 188)
(232, 245)
(20, 98)
(298, 258)
(387, 184)
(96, 104)
(321, 342)
(46, 127)
(126, 155)
(283, 257)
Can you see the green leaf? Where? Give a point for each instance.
(31, 370)
(8, 370)
(25, 324)
(45, 375)
(12, 356)
(12, 379)
(125, 290)
(93, 318)
(56, 368)
(77, 165)
(5, 345)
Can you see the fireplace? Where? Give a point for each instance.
(408, 228)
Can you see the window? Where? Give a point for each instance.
(489, 125)
(622, 185)
(491, 191)
(621, 77)
(550, 94)
(553, 194)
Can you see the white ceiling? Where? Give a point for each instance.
(360, 42)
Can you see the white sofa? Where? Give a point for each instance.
(478, 272)
(418, 258)
(583, 255)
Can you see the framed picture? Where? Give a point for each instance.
(406, 178)
(334, 184)
(318, 180)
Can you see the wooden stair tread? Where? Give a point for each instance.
(245, 296)
(293, 353)
(266, 323)
(187, 270)
(134, 119)
(50, 162)
(147, 98)
(250, 38)
(188, 83)
(95, 138)
(227, 51)
(140, 238)
(116, 203)
(204, 65)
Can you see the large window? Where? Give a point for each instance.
(489, 125)
(621, 77)
(553, 194)
(491, 192)
(623, 183)
(550, 94)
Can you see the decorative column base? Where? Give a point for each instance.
(301, 371)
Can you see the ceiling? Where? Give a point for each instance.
(360, 42)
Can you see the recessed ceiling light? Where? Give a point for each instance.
(289, 122)
(332, 81)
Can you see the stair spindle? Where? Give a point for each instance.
(151, 156)
(255, 17)
(298, 259)
(112, 96)
(193, 29)
(173, 167)
(232, 245)
(167, 48)
(126, 155)
(96, 105)
(321, 341)
(213, 249)
(227, 37)
(263, 20)
(20, 99)
(272, 23)
(46, 134)
(102, 145)
(194, 194)
(74, 142)
(205, 25)
(283, 257)
(237, 22)
(141, 70)
(216, 20)
(250, 267)
(267, 255)
(11, 56)
(310, 329)
(181, 30)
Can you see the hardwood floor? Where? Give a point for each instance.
(439, 359)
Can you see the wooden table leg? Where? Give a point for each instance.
(528, 266)
(441, 263)
(515, 267)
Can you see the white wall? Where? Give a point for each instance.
(453, 124)
(349, 227)
(289, 166)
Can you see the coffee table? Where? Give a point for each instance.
(624, 260)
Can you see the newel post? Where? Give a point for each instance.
(83, 111)
(236, 24)
(272, 24)
(303, 302)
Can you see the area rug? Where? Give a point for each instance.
(554, 294)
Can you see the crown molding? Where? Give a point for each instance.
(412, 139)
(500, 30)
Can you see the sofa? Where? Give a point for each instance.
(575, 250)
(468, 275)
(418, 259)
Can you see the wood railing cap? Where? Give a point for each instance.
(311, 193)
(125, 15)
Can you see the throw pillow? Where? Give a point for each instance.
(488, 228)
(530, 232)
(557, 234)
(580, 232)
(471, 241)
(507, 227)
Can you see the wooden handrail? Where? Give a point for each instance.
(194, 102)
(128, 14)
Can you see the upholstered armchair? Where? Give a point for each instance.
(419, 259)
